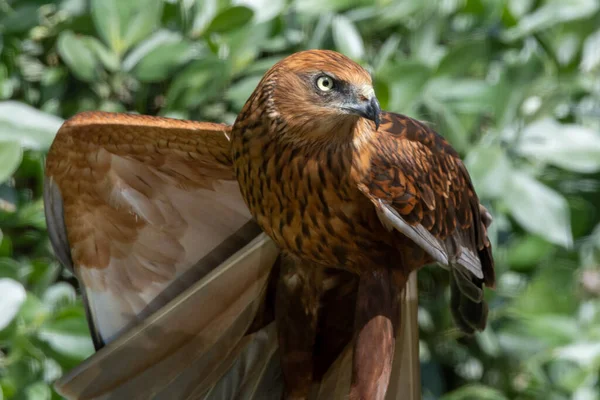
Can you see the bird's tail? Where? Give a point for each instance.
(469, 309)
(405, 379)
(198, 346)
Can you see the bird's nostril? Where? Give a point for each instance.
(362, 98)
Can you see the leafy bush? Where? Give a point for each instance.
(514, 85)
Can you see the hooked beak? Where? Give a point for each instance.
(368, 109)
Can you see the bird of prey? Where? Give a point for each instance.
(177, 280)
(180, 284)
(337, 183)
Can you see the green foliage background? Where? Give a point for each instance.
(514, 85)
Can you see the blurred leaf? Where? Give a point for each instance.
(19, 19)
(10, 268)
(583, 353)
(549, 294)
(406, 81)
(105, 55)
(31, 214)
(241, 91)
(538, 208)
(490, 170)
(58, 295)
(143, 22)
(387, 51)
(473, 96)
(555, 329)
(553, 12)
(526, 251)
(197, 82)
(106, 18)
(160, 38)
(425, 44)
(30, 127)
(68, 335)
(347, 38)
(77, 56)
(568, 146)
(264, 10)
(461, 57)
(590, 60)
(230, 19)
(163, 59)
(10, 154)
(205, 12)
(479, 392)
(38, 391)
(13, 296)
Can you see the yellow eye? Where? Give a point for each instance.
(325, 83)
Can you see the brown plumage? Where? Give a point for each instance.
(147, 214)
(335, 190)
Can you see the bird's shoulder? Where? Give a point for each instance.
(419, 174)
(421, 188)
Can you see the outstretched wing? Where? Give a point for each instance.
(140, 208)
(421, 188)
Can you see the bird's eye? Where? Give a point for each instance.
(325, 83)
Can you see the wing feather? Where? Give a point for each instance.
(421, 188)
(133, 202)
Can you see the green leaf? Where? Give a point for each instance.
(197, 82)
(77, 56)
(538, 208)
(476, 391)
(264, 10)
(490, 169)
(19, 19)
(143, 22)
(68, 335)
(38, 391)
(461, 57)
(347, 38)
(105, 14)
(590, 59)
(230, 19)
(32, 128)
(10, 154)
(160, 38)
(406, 81)
(552, 13)
(205, 12)
(387, 51)
(526, 251)
(463, 95)
(163, 59)
(569, 146)
(241, 91)
(109, 59)
(33, 310)
(583, 353)
(13, 296)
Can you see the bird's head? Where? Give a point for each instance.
(319, 92)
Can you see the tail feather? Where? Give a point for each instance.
(213, 359)
(405, 380)
(469, 309)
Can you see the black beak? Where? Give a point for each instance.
(368, 109)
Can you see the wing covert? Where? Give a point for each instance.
(421, 188)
